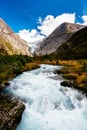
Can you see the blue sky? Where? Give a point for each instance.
(29, 14)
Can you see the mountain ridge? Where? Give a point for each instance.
(10, 42)
(61, 34)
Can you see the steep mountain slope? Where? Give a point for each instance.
(75, 47)
(57, 38)
(10, 43)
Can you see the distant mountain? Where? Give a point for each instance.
(10, 43)
(59, 36)
(75, 47)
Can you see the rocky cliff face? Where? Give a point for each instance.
(10, 42)
(57, 38)
(10, 112)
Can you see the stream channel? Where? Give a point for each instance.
(48, 105)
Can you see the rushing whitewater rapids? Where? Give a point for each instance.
(48, 105)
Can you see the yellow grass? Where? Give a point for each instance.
(30, 66)
(75, 70)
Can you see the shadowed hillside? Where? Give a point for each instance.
(75, 47)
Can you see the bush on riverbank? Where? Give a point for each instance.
(11, 66)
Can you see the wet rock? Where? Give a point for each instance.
(10, 112)
(79, 97)
(7, 83)
(67, 83)
(60, 71)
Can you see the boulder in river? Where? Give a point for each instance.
(7, 83)
(67, 83)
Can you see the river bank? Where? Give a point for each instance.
(75, 74)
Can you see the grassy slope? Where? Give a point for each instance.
(75, 70)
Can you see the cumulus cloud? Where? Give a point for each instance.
(84, 18)
(45, 27)
(30, 36)
(50, 22)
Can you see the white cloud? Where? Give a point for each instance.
(46, 27)
(50, 22)
(84, 18)
(30, 36)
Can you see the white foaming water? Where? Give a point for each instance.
(48, 105)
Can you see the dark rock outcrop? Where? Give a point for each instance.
(10, 42)
(10, 112)
(69, 83)
(60, 35)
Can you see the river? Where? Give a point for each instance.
(48, 105)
